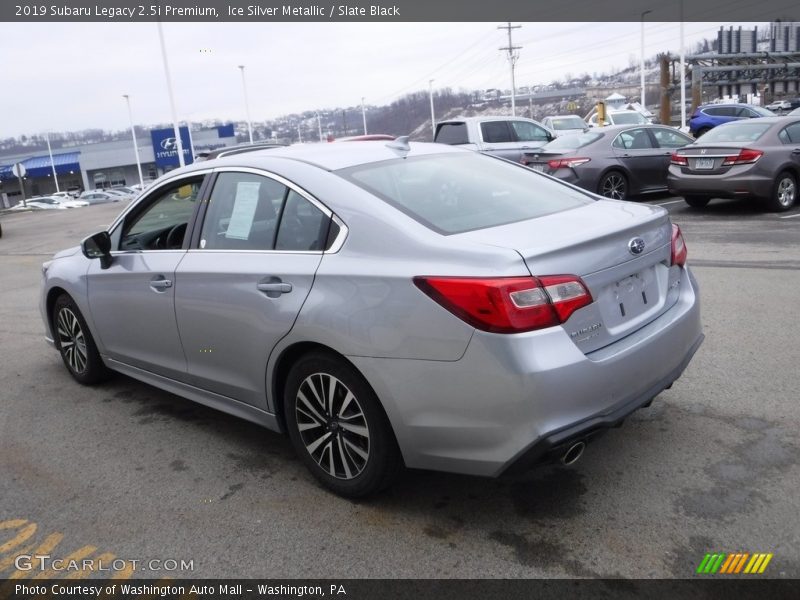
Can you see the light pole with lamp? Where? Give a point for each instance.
(246, 106)
(52, 164)
(647, 12)
(433, 119)
(133, 136)
(364, 115)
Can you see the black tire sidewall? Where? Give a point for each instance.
(697, 201)
(384, 454)
(95, 371)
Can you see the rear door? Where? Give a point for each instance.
(636, 151)
(498, 138)
(667, 140)
(241, 286)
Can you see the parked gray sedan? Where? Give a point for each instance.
(384, 304)
(616, 162)
(757, 159)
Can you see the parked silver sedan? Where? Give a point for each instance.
(384, 304)
(757, 159)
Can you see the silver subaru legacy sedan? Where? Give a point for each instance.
(384, 304)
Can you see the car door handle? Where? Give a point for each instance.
(160, 284)
(277, 287)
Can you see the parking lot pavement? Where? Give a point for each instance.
(124, 470)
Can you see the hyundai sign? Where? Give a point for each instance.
(165, 147)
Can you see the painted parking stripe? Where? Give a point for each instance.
(790, 216)
(669, 202)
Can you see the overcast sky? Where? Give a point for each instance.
(61, 76)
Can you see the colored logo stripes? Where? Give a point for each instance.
(733, 564)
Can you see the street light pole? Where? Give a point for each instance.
(246, 106)
(52, 164)
(133, 135)
(433, 119)
(364, 115)
(647, 12)
(175, 127)
(319, 127)
(683, 74)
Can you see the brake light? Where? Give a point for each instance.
(567, 163)
(745, 156)
(677, 159)
(679, 251)
(508, 304)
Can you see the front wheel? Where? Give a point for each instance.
(784, 193)
(697, 201)
(338, 427)
(76, 344)
(613, 185)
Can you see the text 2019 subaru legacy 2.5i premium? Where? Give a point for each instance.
(384, 304)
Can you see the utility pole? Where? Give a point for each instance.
(683, 73)
(364, 115)
(513, 56)
(433, 118)
(175, 128)
(641, 66)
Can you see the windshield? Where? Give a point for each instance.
(738, 131)
(454, 193)
(561, 123)
(627, 118)
(572, 142)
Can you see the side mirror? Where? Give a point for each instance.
(98, 246)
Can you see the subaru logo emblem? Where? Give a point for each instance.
(636, 245)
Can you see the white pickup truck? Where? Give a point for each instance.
(508, 137)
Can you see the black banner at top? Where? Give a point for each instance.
(398, 10)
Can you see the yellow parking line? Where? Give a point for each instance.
(22, 535)
(79, 554)
(765, 563)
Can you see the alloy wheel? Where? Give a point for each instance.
(332, 426)
(786, 191)
(71, 340)
(614, 187)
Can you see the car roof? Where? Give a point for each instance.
(330, 157)
(484, 119)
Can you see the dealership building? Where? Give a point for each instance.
(106, 164)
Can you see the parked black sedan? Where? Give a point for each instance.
(616, 162)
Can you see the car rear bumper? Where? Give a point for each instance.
(737, 183)
(512, 399)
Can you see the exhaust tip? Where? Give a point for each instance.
(573, 454)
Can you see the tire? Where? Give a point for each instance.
(784, 192)
(697, 201)
(613, 185)
(346, 440)
(702, 131)
(75, 343)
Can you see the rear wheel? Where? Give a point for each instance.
(76, 344)
(338, 427)
(613, 185)
(697, 201)
(702, 131)
(784, 194)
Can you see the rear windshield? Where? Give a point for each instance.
(736, 132)
(454, 193)
(452, 133)
(572, 142)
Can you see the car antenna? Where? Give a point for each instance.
(400, 144)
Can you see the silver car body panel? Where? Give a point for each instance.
(458, 399)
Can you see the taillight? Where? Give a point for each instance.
(677, 159)
(745, 156)
(679, 251)
(567, 163)
(508, 304)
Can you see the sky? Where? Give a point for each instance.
(71, 76)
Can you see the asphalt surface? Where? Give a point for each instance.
(125, 470)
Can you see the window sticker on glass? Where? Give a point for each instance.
(244, 210)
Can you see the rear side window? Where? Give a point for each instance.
(253, 212)
(452, 133)
(633, 139)
(669, 138)
(791, 134)
(454, 193)
(496, 132)
(573, 142)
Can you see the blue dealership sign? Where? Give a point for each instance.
(165, 147)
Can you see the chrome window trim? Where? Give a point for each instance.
(335, 246)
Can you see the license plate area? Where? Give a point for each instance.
(627, 299)
(703, 164)
(537, 166)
